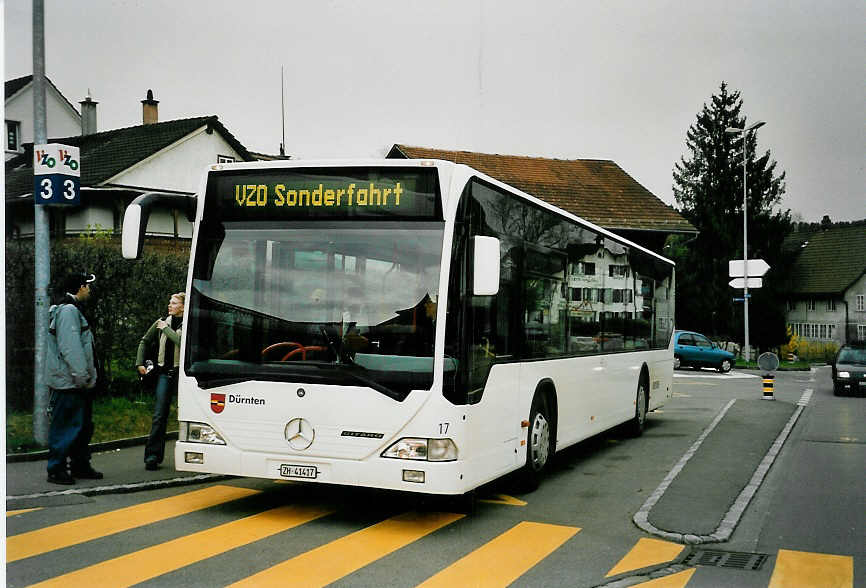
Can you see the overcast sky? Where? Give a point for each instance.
(570, 79)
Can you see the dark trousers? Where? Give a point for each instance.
(166, 389)
(71, 429)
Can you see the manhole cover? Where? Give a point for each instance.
(726, 559)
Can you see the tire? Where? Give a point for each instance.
(637, 424)
(725, 366)
(678, 363)
(539, 444)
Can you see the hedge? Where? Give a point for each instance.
(125, 299)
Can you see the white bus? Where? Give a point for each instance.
(405, 324)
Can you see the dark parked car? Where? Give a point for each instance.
(698, 351)
(849, 370)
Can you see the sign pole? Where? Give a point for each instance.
(745, 255)
(42, 239)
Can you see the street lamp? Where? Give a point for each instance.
(744, 132)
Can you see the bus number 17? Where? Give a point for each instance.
(443, 428)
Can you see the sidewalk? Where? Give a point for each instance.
(123, 467)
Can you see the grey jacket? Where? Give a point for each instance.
(69, 361)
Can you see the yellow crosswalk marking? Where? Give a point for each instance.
(341, 557)
(645, 553)
(807, 570)
(12, 513)
(678, 580)
(504, 559)
(504, 499)
(160, 559)
(96, 526)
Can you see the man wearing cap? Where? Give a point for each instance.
(71, 373)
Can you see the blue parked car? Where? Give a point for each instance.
(695, 350)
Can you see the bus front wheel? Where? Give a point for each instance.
(539, 443)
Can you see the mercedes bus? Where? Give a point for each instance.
(405, 324)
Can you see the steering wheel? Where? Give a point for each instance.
(290, 344)
(303, 351)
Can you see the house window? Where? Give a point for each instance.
(811, 305)
(831, 305)
(618, 271)
(588, 269)
(13, 135)
(792, 306)
(861, 332)
(861, 305)
(823, 333)
(225, 159)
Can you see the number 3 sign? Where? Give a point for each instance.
(56, 174)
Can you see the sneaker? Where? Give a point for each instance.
(151, 465)
(61, 477)
(87, 473)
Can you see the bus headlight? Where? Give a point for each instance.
(199, 433)
(422, 449)
(844, 375)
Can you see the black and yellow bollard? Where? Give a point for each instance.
(769, 380)
(769, 363)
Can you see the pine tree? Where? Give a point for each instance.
(708, 187)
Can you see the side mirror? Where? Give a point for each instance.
(137, 213)
(134, 225)
(485, 266)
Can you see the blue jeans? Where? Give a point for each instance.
(71, 429)
(166, 388)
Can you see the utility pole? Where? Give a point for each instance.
(42, 239)
(744, 132)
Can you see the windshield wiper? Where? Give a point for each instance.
(330, 343)
(352, 371)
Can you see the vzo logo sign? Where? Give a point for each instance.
(67, 160)
(44, 158)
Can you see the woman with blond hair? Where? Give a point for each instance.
(166, 332)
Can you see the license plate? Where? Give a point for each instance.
(298, 471)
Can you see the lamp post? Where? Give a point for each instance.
(744, 132)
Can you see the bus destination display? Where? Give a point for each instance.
(297, 194)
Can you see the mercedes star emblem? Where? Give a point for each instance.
(300, 434)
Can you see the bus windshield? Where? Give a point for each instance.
(317, 302)
(320, 276)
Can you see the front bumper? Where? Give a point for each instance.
(375, 472)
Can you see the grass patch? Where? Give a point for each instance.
(783, 365)
(113, 418)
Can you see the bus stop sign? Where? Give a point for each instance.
(56, 175)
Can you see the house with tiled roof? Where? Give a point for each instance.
(827, 288)
(597, 190)
(62, 118)
(119, 165)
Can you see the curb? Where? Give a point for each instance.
(94, 448)
(125, 488)
(729, 522)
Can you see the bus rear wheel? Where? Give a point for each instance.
(539, 444)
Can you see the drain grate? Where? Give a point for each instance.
(726, 559)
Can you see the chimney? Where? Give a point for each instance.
(149, 110)
(88, 115)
